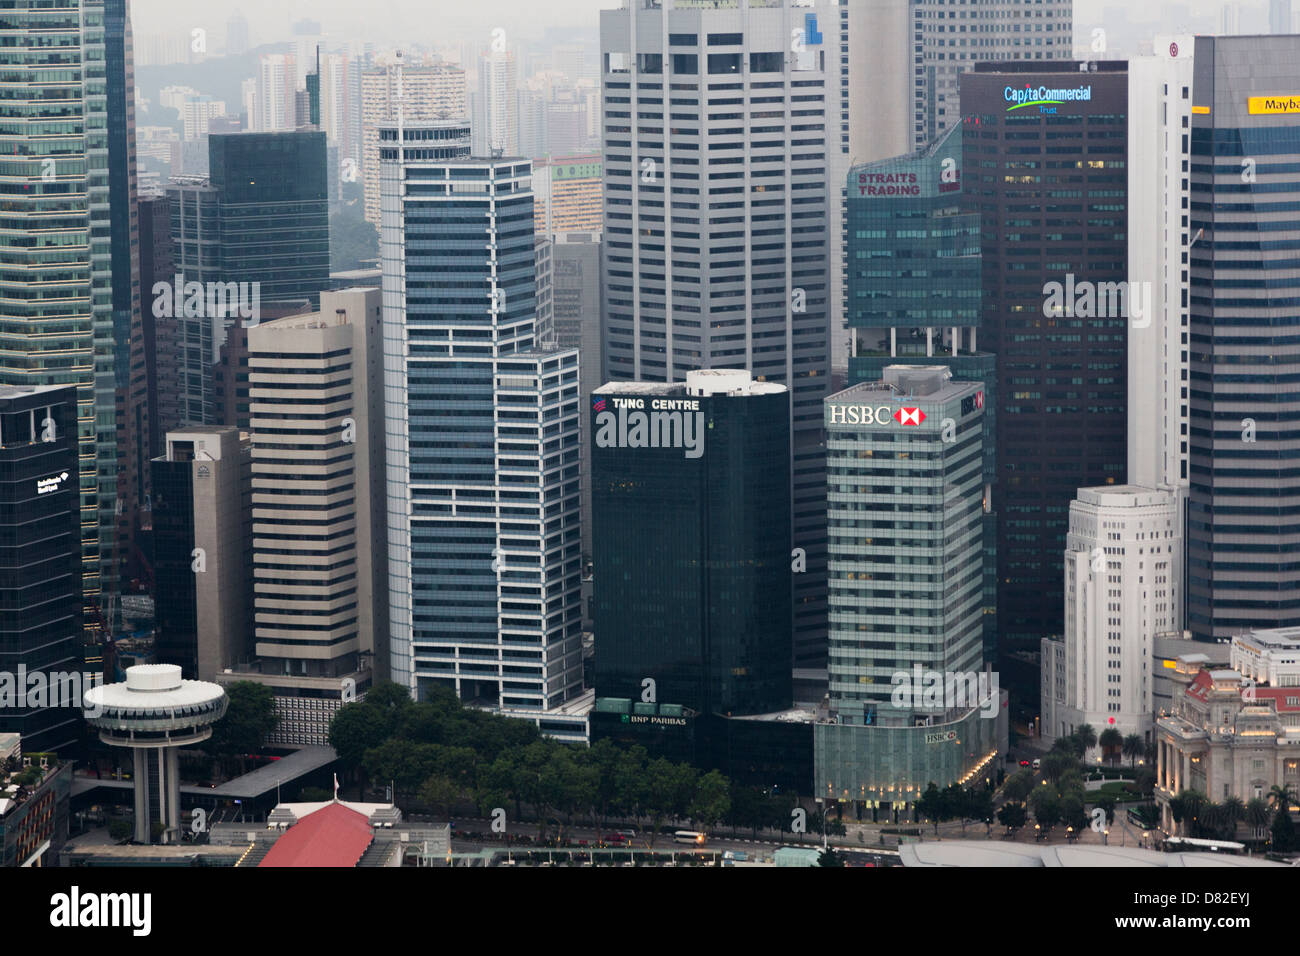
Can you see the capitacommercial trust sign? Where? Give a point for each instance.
(1045, 97)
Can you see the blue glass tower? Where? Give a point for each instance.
(484, 527)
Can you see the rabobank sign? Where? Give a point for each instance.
(1045, 98)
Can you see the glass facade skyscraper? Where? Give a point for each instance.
(716, 220)
(1045, 167)
(1244, 457)
(58, 325)
(273, 192)
(40, 559)
(905, 487)
(914, 291)
(482, 436)
(692, 545)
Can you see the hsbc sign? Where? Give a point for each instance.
(875, 415)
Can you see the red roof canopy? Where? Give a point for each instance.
(332, 836)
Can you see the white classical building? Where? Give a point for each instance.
(1123, 586)
(1228, 736)
(1269, 656)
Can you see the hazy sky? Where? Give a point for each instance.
(434, 22)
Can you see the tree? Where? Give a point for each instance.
(1133, 747)
(439, 794)
(1073, 814)
(1145, 779)
(1046, 805)
(1055, 766)
(931, 806)
(1086, 736)
(1284, 834)
(250, 717)
(1234, 811)
(829, 857)
(355, 730)
(980, 806)
(1107, 804)
(712, 800)
(1257, 816)
(1013, 816)
(1112, 742)
(1281, 797)
(1019, 785)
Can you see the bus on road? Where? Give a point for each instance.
(693, 837)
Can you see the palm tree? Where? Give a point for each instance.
(1234, 811)
(1257, 816)
(1086, 736)
(1111, 741)
(1133, 747)
(1281, 797)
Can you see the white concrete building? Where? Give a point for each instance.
(1269, 656)
(1123, 574)
(1160, 109)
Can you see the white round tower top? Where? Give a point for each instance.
(711, 381)
(153, 678)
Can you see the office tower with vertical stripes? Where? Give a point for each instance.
(716, 218)
(483, 445)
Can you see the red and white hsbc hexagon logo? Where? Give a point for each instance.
(909, 416)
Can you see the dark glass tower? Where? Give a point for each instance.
(1243, 565)
(692, 543)
(40, 557)
(1047, 175)
(274, 211)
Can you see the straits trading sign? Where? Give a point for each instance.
(1045, 98)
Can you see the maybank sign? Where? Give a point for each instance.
(1044, 97)
(1273, 104)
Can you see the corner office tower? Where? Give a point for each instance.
(1243, 519)
(716, 220)
(482, 442)
(692, 542)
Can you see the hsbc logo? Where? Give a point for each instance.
(875, 415)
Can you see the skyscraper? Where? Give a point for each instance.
(496, 120)
(66, 324)
(40, 557)
(1045, 167)
(692, 552)
(274, 212)
(483, 448)
(319, 564)
(1244, 400)
(202, 549)
(900, 65)
(716, 215)
(413, 93)
(914, 289)
(1123, 587)
(905, 483)
(277, 82)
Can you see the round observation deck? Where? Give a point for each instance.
(154, 707)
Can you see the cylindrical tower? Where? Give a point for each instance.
(155, 710)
